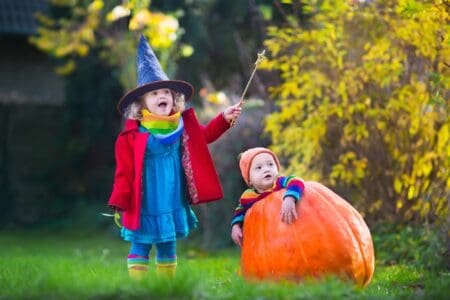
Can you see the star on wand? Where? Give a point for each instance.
(260, 58)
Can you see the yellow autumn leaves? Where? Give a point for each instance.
(364, 103)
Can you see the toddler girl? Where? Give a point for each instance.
(162, 164)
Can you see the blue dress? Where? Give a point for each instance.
(165, 213)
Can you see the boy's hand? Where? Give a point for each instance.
(236, 234)
(288, 212)
(232, 112)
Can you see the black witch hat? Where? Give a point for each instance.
(151, 77)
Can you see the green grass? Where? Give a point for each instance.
(40, 265)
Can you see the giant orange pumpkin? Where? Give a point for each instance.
(329, 238)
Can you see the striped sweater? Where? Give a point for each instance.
(294, 187)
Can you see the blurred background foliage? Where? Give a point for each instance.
(354, 94)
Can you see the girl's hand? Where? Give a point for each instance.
(236, 234)
(288, 212)
(115, 208)
(232, 112)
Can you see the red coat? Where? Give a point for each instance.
(201, 176)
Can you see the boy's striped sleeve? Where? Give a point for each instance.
(238, 216)
(294, 186)
(248, 198)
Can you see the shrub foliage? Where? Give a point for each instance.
(364, 103)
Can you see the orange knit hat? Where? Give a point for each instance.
(246, 158)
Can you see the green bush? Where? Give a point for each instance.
(423, 246)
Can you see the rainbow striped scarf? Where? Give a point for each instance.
(157, 124)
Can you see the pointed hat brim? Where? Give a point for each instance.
(177, 85)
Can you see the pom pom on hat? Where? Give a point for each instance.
(246, 158)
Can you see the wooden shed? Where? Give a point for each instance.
(31, 98)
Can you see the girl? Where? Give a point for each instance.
(162, 165)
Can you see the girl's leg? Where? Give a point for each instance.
(166, 258)
(138, 260)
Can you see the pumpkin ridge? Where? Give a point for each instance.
(253, 271)
(355, 235)
(316, 199)
(355, 213)
(330, 239)
(298, 240)
(265, 238)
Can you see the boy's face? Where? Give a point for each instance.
(263, 172)
(159, 102)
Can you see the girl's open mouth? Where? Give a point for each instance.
(162, 104)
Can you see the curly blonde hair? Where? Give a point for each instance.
(133, 111)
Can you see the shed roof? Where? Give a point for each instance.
(18, 16)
